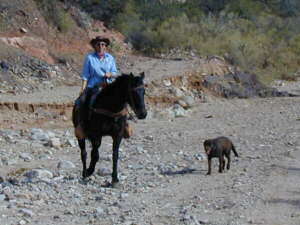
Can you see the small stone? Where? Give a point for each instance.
(26, 157)
(64, 164)
(2, 197)
(178, 111)
(22, 222)
(23, 30)
(38, 173)
(54, 142)
(71, 142)
(124, 195)
(26, 212)
(167, 83)
(99, 211)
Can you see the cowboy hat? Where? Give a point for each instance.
(98, 39)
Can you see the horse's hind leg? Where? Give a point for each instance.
(94, 155)
(81, 143)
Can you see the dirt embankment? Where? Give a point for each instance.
(168, 82)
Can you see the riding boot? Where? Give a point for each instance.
(84, 100)
(93, 94)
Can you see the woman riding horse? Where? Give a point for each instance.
(108, 116)
(98, 69)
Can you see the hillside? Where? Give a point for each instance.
(35, 53)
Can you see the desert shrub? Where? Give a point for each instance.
(104, 10)
(3, 24)
(55, 14)
(248, 9)
(64, 21)
(258, 36)
(294, 43)
(132, 26)
(285, 8)
(174, 32)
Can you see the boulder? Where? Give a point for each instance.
(240, 85)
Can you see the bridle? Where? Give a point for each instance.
(131, 100)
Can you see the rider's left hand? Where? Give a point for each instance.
(108, 75)
(103, 85)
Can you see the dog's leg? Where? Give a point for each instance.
(209, 166)
(228, 161)
(221, 162)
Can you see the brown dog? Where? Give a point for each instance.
(219, 147)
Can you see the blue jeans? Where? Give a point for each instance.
(84, 102)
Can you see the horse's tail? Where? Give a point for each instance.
(234, 151)
(75, 118)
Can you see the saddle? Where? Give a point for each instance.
(85, 111)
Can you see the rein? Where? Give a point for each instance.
(105, 112)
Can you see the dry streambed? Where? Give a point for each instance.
(162, 170)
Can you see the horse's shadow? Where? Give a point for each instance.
(105, 184)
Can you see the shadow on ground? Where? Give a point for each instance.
(180, 172)
(288, 169)
(293, 202)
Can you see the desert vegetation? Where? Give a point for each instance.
(259, 36)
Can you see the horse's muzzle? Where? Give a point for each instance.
(142, 115)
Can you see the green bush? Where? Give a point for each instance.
(294, 43)
(64, 21)
(54, 14)
(261, 37)
(3, 25)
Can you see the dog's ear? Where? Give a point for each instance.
(207, 142)
(142, 74)
(207, 145)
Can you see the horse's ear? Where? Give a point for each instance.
(131, 74)
(142, 74)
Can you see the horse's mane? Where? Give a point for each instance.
(115, 84)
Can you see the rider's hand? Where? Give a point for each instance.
(103, 85)
(108, 75)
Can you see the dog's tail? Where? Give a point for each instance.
(234, 151)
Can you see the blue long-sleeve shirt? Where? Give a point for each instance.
(95, 68)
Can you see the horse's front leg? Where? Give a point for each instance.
(81, 143)
(116, 145)
(96, 142)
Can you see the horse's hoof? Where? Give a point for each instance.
(89, 172)
(116, 185)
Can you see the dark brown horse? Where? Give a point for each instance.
(107, 117)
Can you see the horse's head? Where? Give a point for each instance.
(136, 95)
